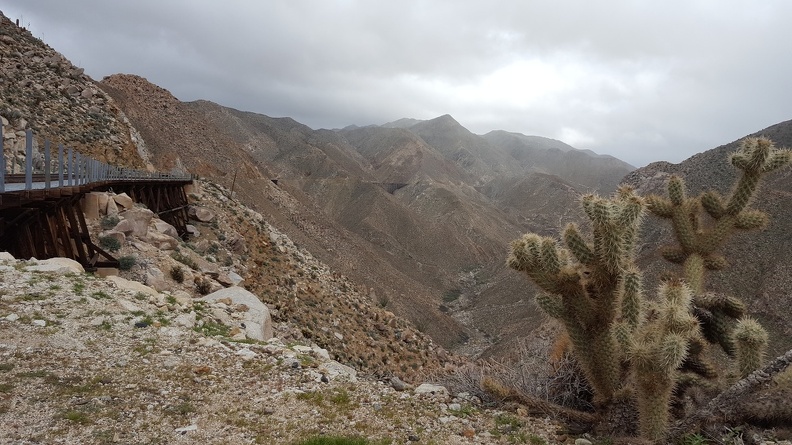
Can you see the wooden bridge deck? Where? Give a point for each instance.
(40, 211)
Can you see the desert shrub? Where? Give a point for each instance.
(203, 285)
(109, 221)
(177, 273)
(127, 262)
(109, 243)
(527, 376)
(452, 295)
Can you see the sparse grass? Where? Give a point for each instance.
(75, 416)
(341, 440)
(100, 295)
(211, 329)
(509, 426)
(6, 388)
(146, 347)
(181, 409)
(32, 297)
(78, 287)
(536, 440)
(184, 259)
(340, 397)
(5, 367)
(694, 439)
(464, 411)
(314, 397)
(40, 373)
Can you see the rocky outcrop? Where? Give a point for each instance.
(253, 316)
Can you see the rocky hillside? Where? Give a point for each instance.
(760, 271)
(404, 211)
(42, 91)
(87, 359)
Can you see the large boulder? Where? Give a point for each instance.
(136, 222)
(165, 228)
(155, 278)
(162, 241)
(112, 208)
(201, 214)
(134, 286)
(124, 200)
(57, 265)
(90, 205)
(256, 318)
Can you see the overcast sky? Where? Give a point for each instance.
(640, 80)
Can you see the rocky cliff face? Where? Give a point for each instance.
(42, 91)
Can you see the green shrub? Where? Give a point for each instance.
(109, 221)
(109, 243)
(127, 262)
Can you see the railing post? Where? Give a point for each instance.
(80, 168)
(60, 165)
(28, 159)
(2, 161)
(71, 167)
(47, 177)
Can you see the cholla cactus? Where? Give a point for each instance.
(698, 245)
(657, 351)
(592, 286)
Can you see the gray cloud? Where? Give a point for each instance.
(642, 81)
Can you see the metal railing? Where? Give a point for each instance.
(70, 169)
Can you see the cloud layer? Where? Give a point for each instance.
(642, 81)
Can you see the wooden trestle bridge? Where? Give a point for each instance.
(40, 211)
